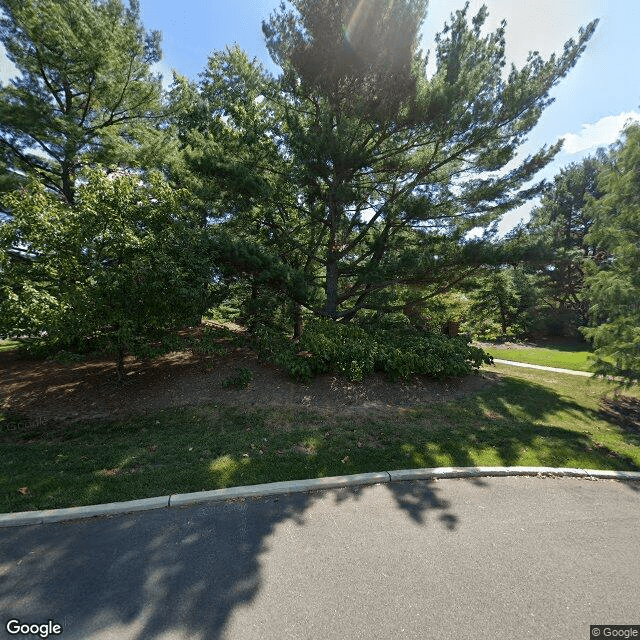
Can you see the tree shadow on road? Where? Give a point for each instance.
(189, 571)
(176, 570)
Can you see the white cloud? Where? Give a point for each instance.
(598, 134)
(167, 73)
(539, 25)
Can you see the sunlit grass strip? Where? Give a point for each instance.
(531, 418)
(578, 360)
(8, 345)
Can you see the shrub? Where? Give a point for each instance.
(122, 269)
(241, 380)
(350, 350)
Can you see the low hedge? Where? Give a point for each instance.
(350, 350)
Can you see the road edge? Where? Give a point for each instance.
(24, 518)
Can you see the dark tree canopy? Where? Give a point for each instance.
(366, 169)
(358, 54)
(613, 283)
(560, 225)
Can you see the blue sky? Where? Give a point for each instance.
(591, 104)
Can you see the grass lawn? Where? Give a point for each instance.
(576, 358)
(531, 418)
(8, 345)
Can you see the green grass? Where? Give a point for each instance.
(575, 358)
(8, 345)
(531, 418)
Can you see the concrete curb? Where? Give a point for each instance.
(77, 513)
(278, 488)
(300, 486)
(487, 472)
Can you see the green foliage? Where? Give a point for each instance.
(613, 283)
(85, 92)
(360, 170)
(119, 269)
(212, 342)
(240, 380)
(354, 352)
(558, 228)
(503, 302)
(360, 58)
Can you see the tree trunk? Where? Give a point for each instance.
(503, 319)
(120, 364)
(297, 321)
(253, 317)
(67, 169)
(331, 305)
(331, 288)
(68, 185)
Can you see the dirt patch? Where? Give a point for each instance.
(43, 391)
(623, 411)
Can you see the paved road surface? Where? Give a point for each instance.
(490, 558)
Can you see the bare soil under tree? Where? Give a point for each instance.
(49, 390)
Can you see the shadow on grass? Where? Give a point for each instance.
(188, 571)
(518, 420)
(514, 423)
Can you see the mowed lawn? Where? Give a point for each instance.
(8, 345)
(530, 417)
(562, 357)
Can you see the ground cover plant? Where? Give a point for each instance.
(354, 352)
(530, 417)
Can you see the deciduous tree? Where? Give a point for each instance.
(120, 268)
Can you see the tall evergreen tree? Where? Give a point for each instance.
(613, 283)
(393, 167)
(84, 90)
(560, 224)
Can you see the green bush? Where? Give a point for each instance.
(241, 380)
(123, 269)
(350, 350)
(212, 342)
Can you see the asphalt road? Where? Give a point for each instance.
(490, 558)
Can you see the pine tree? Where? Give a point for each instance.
(354, 165)
(84, 93)
(561, 224)
(613, 283)
(392, 166)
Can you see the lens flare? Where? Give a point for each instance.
(357, 23)
(355, 31)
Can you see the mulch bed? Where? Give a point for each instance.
(622, 410)
(48, 390)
